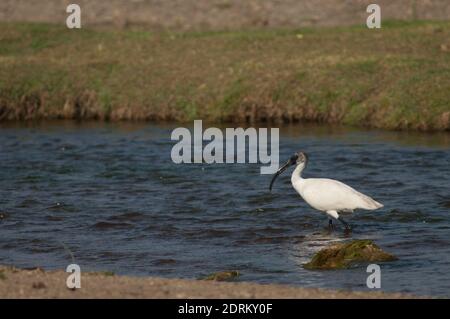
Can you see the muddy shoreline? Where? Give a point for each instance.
(37, 283)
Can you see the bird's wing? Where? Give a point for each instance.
(340, 195)
(362, 201)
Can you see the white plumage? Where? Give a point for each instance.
(326, 195)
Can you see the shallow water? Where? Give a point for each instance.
(108, 196)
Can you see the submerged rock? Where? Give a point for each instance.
(445, 203)
(340, 256)
(222, 276)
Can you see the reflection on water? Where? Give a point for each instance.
(110, 195)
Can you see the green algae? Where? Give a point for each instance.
(222, 276)
(345, 255)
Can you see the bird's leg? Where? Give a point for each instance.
(331, 214)
(330, 225)
(347, 225)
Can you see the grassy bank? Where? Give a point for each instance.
(396, 78)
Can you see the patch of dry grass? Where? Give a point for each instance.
(396, 78)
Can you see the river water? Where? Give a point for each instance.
(108, 197)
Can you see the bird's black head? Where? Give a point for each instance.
(301, 158)
(296, 159)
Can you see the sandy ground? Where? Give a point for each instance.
(15, 283)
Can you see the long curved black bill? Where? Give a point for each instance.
(280, 170)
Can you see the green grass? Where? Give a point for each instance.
(395, 78)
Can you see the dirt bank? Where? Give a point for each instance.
(220, 14)
(15, 283)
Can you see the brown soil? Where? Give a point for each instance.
(220, 14)
(15, 283)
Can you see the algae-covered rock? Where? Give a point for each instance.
(222, 276)
(340, 256)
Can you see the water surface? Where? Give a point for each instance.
(108, 196)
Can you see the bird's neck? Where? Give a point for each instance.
(297, 173)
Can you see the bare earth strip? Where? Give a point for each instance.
(220, 14)
(15, 283)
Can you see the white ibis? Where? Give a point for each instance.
(326, 195)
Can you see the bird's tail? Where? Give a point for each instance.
(377, 204)
(370, 203)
